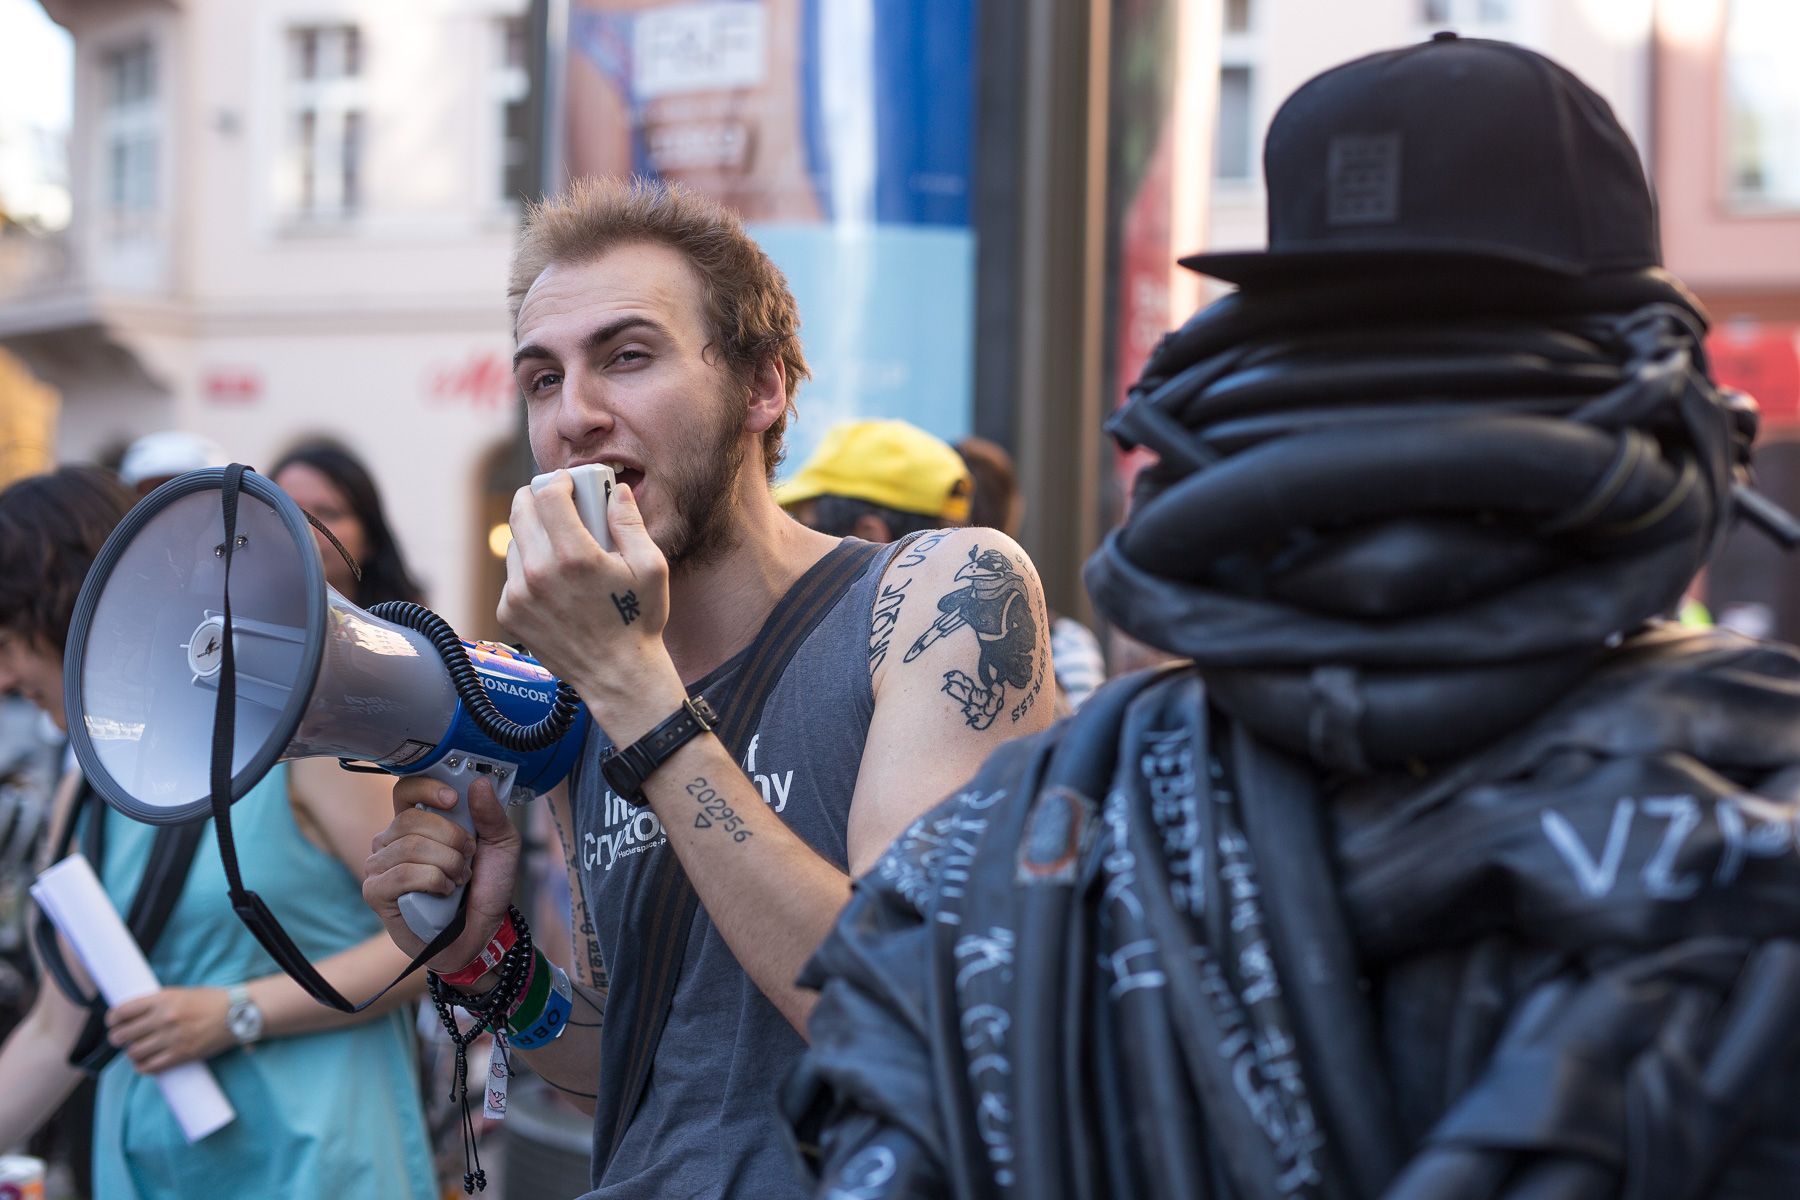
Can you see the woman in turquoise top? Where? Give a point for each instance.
(327, 1103)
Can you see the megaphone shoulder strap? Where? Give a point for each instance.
(250, 908)
(643, 978)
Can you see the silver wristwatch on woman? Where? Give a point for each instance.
(243, 1018)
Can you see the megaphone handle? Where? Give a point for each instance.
(427, 915)
(593, 484)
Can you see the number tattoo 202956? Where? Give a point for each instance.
(715, 811)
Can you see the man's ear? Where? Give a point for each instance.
(871, 528)
(768, 395)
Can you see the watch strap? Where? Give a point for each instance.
(627, 770)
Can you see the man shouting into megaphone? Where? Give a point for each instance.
(756, 742)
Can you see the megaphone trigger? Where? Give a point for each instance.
(428, 915)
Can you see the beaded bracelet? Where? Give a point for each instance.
(490, 1010)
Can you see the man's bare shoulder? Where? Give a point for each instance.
(959, 653)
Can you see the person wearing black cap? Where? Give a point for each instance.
(1448, 868)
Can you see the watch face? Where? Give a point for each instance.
(245, 1022)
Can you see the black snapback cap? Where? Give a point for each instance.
(1455, 151)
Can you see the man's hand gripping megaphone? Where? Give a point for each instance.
(593, 616)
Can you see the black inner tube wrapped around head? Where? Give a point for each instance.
(1504, 479)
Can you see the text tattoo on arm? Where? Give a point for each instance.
(995, 605)
(887, 615)
(589, 963)
(915, 553)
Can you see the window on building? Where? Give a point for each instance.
(1237, 16)
(1762, 102)
(511, 92)
(1465, 12)
(328, 135)
(1232, 157)
(128, 123)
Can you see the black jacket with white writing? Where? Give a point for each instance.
(1145, 955)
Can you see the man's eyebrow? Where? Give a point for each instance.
(599, 337)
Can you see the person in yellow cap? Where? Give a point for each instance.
(879, 481)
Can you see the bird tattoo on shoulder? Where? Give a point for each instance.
(995, 605)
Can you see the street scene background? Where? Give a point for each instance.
(263, 221)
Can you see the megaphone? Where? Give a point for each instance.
(314, 674)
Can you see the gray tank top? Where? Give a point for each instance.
(707, 1125)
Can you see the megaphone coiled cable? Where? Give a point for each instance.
(523, 739)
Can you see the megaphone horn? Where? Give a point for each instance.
(314, 675)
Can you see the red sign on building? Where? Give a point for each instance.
(232, 385)
(1763, 360)
(482, 381)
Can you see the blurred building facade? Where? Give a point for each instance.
(1727, 159)
(292, 217)
(27, 422)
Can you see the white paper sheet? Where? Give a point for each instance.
(71, 895)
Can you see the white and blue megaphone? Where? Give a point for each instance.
(314, 674)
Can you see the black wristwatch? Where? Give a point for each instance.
(626, 770)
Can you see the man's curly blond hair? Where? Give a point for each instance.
(749, 311)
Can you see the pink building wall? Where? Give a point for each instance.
(1742, 264)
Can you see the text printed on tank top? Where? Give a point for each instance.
(627, 830)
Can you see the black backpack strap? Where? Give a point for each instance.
(171, 854)
(43, 933)
(644, 978)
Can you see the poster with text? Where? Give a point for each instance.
(841, 131)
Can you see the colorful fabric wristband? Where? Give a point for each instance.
(489, 958)
(533, 995)
(544, 1013)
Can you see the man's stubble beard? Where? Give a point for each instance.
(702, 491)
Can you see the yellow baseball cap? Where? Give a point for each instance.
(890, 463)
